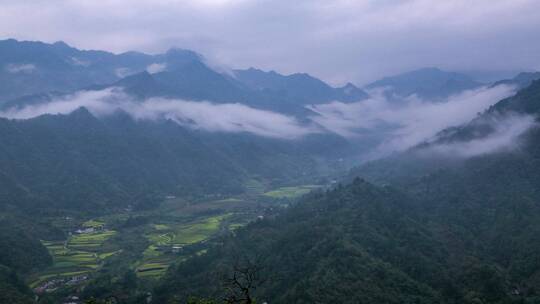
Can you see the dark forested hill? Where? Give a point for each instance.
(462, 235)
(21, 252)
(21, 249)
(336, 247)
(459, 230)
(80, 161)
(363, 244)
(12, 289)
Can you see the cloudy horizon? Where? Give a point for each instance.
(338, 41)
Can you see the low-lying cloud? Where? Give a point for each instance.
(405, 123)
(20, 68)
(395, 125)
(79, 62)
(123, 72)
(232, 117)
(156, 68)
(504, 137)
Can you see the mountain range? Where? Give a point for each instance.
(30, 68)
(82, 148)
(426, 83)
(450, 217)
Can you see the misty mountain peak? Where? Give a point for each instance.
(349, 88)
(139, 78)
(521, 81)
(178, 56)
(81, 112)
(61, 44)
(427, 83)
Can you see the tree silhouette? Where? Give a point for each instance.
(241, 284)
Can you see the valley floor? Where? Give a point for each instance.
(146, 243)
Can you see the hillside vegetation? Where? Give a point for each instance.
(456, 231)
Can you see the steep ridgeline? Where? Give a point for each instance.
(301, 89)
(191, 81)
(522, 80)
(264, 90)
(430, 84)
(466, 231)
(80, 161)
(36, 72)
(35, 67)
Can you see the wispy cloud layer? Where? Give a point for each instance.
(207, 116)
(20, 68)
(396, 125)
(403, 124)
(123, 72)
(156, 68)
(506, 132)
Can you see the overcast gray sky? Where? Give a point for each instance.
(337, 40)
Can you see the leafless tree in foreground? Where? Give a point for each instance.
(245, 278)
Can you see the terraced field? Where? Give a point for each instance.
(93, 224)
(177, 224)
(291, 192)
(235, 226)
(80, 254)
(198, 231)
(159, 256)
(90, 241)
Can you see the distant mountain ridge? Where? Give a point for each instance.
(521, 80)
(295, 86)
(29, 70)
(28, 67)
(427, 83)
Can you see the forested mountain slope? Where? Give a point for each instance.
(443, 151)
(360, 243)
(332, 247)
(80, 161)
(465, 231)
(21, 252)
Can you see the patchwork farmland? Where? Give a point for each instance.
(78, 255)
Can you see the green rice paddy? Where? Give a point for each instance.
(93, 224)
(291, 192)
(80, 254)
(158, 257)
